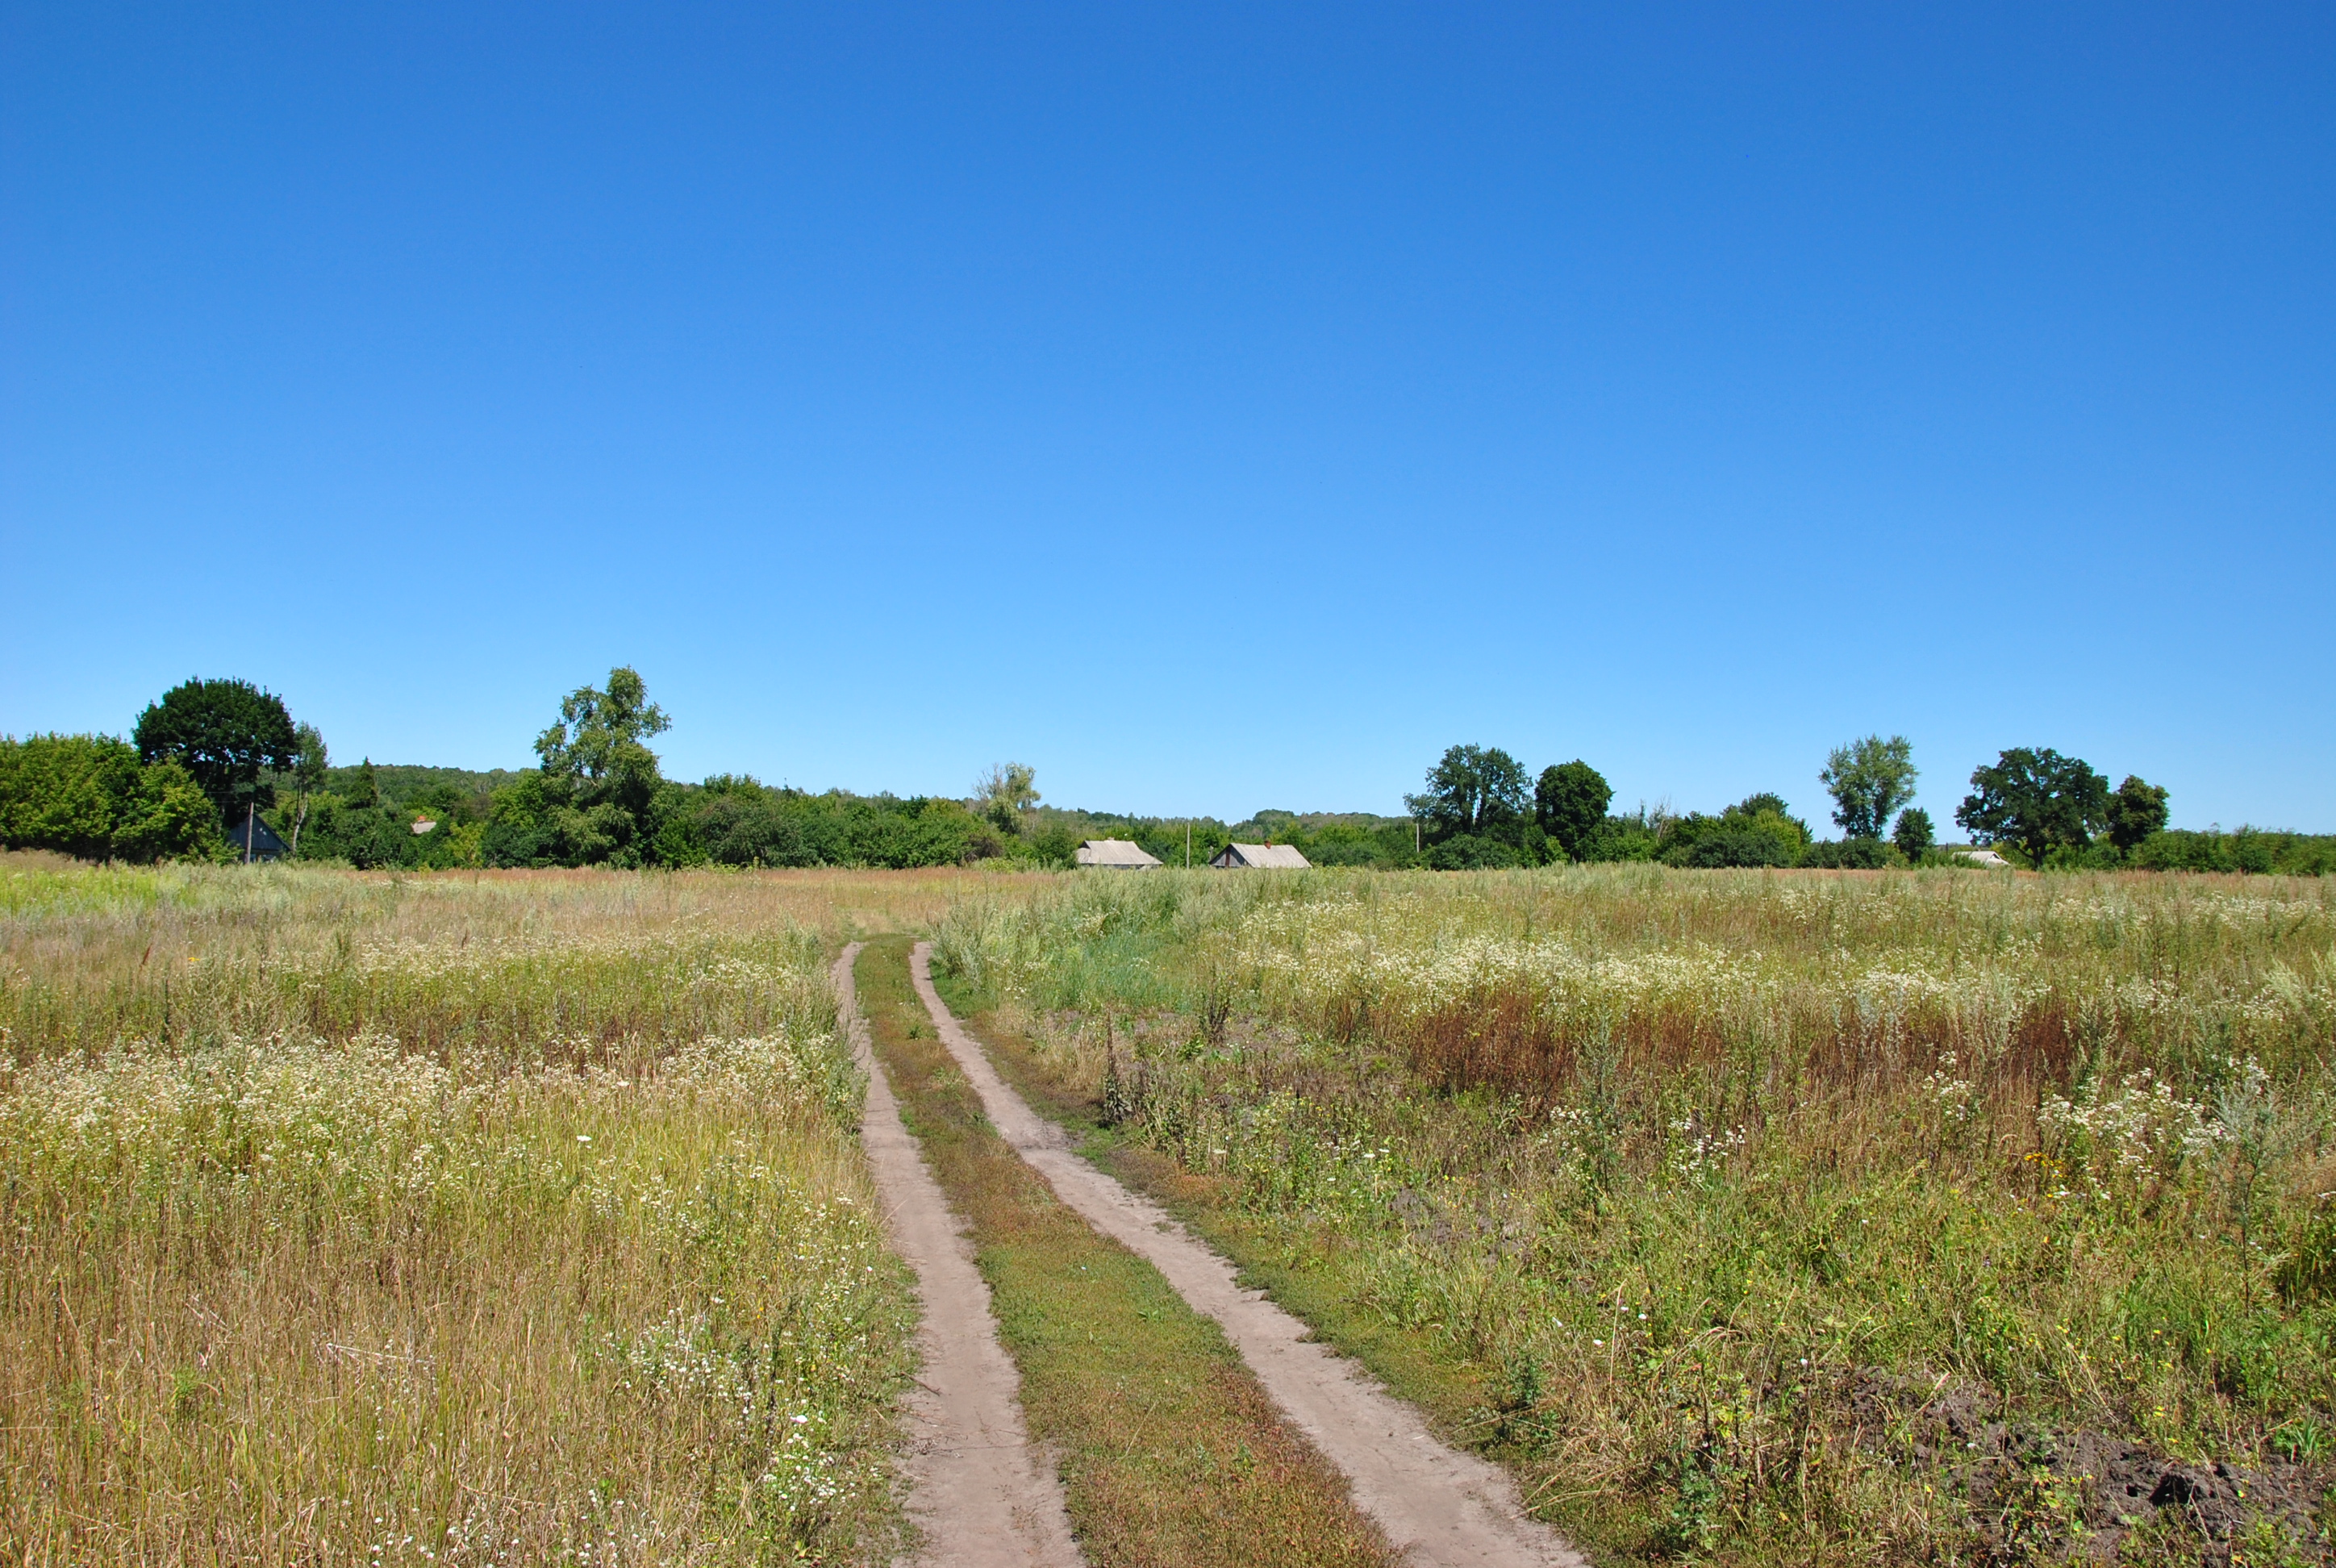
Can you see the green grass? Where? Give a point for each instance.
(1748, 1217)
(1170, 1453)
(1269, 1259)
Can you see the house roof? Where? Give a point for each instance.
(1117, 854)
(263, 838)
(1268, 857)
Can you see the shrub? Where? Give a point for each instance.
(1738, 847)
(1470, 852)
(89, 796)
(1851, 855)
(2246, 849)
(750, 830)
(1633, 837)
(1764, 816)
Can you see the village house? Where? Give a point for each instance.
(1260, 857)
(1114, 854)
(253, 840)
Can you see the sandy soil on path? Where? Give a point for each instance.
(978, 1492)
(1435, 1505)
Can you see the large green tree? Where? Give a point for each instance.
(1868, 780)
(1473, 790)
(2034, 797)
(1912, 834)
(595, 799)
(227, 734)
(1569, 803)
(1007, 794)
(2136, 811)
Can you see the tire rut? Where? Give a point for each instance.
(978, 1494)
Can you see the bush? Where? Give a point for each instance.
(89, 797)
(742, 830)
(1634, 837)
(1738, 847)
(1470, 852)
(735, 821)
(1697, 840)
(2247, 850)
(1851, 855)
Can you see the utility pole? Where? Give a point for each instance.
(250, 817)
(1188, 843)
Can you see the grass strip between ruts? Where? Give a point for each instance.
(1453, 1395)
(1170, 1452)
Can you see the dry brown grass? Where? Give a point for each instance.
(457, 1218)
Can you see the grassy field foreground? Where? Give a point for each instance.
(1754, 1218)
(354, 1219)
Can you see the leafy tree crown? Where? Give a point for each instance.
(1569, 803)
(2034, 797)
(2136, 811)
(1913, 833)
(1007, 793)
(310, 757)
(597, 750)
(226, 734)
(1474, 788)
(1868, 780)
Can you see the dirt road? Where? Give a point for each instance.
(1435, 1505)
(977, 1493)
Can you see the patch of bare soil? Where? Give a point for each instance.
(2036, 1492)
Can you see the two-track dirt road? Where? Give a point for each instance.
(980, 1496)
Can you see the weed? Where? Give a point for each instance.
(352, 1220)
(1724, 1155)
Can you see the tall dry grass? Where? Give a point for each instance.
(369, 1219)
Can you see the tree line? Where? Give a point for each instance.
(203, 756)
(1481, 808)
(211, 757)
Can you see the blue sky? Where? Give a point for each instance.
(1216, 408)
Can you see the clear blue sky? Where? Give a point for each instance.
(1214, 408)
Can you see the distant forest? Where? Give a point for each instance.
(214, 764)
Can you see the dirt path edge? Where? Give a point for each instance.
(1437, 1504)
(977, 1493)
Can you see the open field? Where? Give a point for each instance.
(1932, 1216)
(1753, 1218)
(356, 1218)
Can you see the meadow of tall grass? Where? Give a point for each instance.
(379, 1219)
(1932, 1215)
